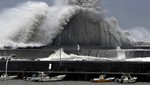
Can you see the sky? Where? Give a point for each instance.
(132, 15)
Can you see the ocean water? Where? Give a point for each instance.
(22, 82)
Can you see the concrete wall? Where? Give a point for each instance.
(79, 66)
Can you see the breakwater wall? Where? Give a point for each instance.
(80, 69)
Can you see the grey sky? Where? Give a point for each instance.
(130, 13)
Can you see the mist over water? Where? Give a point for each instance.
(140, 33)
(120, 53)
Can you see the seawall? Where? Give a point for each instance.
(80, 70)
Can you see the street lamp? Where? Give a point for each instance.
(7, 59)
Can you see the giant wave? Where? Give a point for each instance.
(37, 24)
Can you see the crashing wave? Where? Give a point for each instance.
(60, 55)
(37, 24)
(32, 24)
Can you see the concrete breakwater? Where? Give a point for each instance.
(79, 70)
